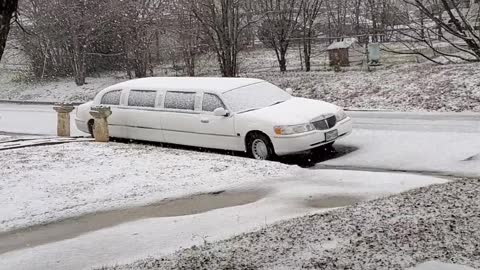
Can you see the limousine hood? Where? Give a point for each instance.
(294, 111)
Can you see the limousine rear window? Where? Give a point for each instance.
(142, 98)
(112, 98)
(180, 101)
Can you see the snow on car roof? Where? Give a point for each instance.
(219, 85)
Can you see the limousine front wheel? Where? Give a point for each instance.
(260, 147)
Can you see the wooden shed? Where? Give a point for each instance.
(339, 52)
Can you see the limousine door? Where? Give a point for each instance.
(144, 121)
(185, 122)
(217, 131)
(179, 119)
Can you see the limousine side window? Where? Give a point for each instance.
(211, 102)
(180, 101)
(142, 98)
(112, 98)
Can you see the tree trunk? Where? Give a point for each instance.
(7, 9)
(307, 51)
(282, 62)
(140, 66)
(190, 62)
(307, 58)
(79, 60)
(228, 70)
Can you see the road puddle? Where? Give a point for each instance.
(73, 227)
(333, 201)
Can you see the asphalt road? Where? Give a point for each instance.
(30, 119)
(41, 119)
(417, 121)
(445, 144)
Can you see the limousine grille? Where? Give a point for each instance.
(332, 121)
(325, 124)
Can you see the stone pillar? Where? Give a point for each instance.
(100, 128)
(63, 119)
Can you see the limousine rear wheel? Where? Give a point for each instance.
(259, 146)
(91, 127)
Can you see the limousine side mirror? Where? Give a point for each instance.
(220, 112)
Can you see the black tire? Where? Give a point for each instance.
(329, 145)
(260, 147)
(91, 125)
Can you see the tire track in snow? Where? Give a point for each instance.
(440, 174)
(36, 142)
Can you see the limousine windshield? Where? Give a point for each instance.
(255, 96)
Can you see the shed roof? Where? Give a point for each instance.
(345, 44)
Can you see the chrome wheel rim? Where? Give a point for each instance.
(259, 149)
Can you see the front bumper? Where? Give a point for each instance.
(286, 145)
(82, 125)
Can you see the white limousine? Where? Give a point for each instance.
(237, 114)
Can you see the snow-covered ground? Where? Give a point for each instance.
(406, 87)
(438, 223)
(60, 90)
(299, 192)
(448, 153)
(5, 138)
(436, 265)
(43, 184)
(409, 142)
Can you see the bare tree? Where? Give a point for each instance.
(454, 22)
(280, 26)
(310, 13)
(223, 24)
(8, 8)
(63, 35)
(187, 36)
(337, 16)
(140, 20)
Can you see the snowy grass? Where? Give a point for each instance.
(4, 138)
(60, 90)
(420, 87)
(438, 222)
(44, 184)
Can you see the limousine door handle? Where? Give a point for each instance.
(205, 121)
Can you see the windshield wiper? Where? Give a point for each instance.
(277, 102)
(249, 110)
(254, 109)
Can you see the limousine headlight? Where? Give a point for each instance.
(296, 129)
(341, 115)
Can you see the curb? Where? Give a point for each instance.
(27, 102)
(367, 110)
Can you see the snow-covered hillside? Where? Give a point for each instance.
(409, 87)
(412, 87)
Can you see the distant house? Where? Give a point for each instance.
(339, 52)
